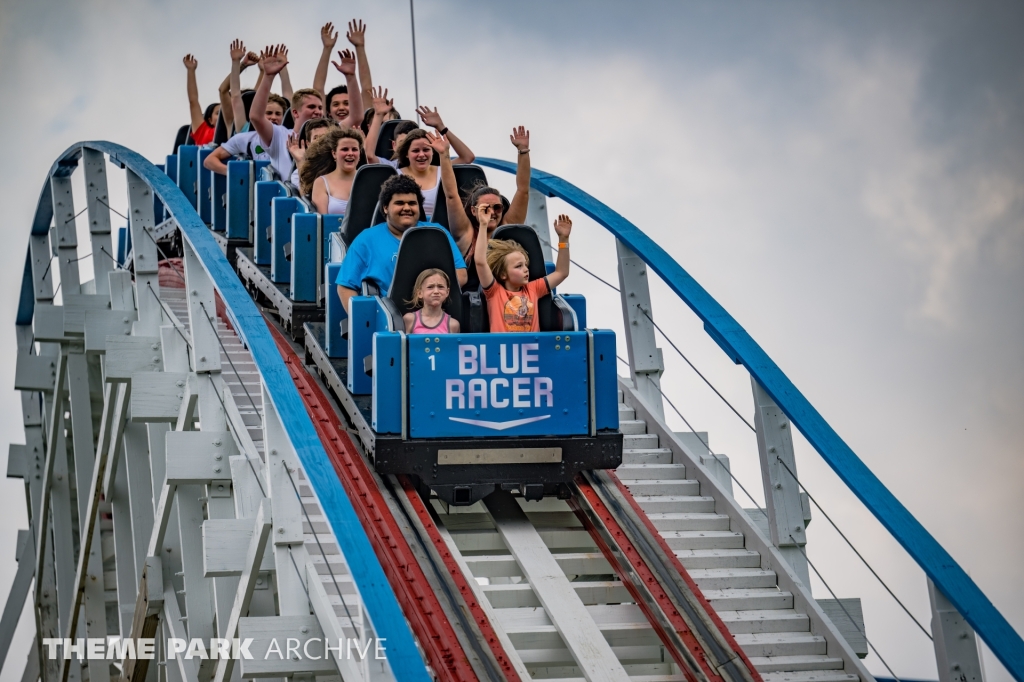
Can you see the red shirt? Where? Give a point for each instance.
(203, 134)
(515, 311)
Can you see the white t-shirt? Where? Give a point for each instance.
(250, 143)
(295, 177)
(390, 162)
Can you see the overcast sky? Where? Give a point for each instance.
(847, 179)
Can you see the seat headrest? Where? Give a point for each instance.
(467, 177)
(183, 136)
(385, 138)
(362, 201)
(525, 236)
(423, 248)
(289, 120)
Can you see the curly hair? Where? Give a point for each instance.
(319, 159)
(399, 184)
(498, 251)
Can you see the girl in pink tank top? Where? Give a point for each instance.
(428, 294)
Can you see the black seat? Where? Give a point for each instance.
(288, 121)
(555, 314)
(362, 202)
(423, 248)
(467, 177)
(184, 136)
(383, 149)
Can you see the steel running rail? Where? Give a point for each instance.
(936, 562)
(385, 614)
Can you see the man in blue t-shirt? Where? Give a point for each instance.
(374, 252)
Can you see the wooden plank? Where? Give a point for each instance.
(156, 396)
(48, 323)
(580, 633)
(224, 545)
(127, 355)
(35, 372)
(147, 616)
(271, 634)
(75, 308)
(99, 324)
(198, 457)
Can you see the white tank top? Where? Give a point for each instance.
(334, 206)
(430, 196)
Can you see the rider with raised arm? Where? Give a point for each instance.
(202, 123)
(373, 253)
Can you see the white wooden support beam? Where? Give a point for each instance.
(35, 373)
(31, 673)
(146, 618)
(185, 668)
(48, 322)
(19, 590)
(99, 324)
(122, 291)
(781, 491)
(269, 659)
(65, 233)
(62, 528)
(645, 361)
(189, 402)
(198, 590)
(331, 625)
(225, 542)
(956, 645)
(42, 277)
(146, 257)
(52, 424)
(157, 396)
(99, 217)
(247, 583)
(140, 488)
(567, 613)
(75, 308)
(288, 537)
(124, 549)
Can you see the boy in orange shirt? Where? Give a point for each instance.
(505, 277)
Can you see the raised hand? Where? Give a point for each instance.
(328, 36)
(347, 65)
(190, 62)
(238, 51)
(438, 143)
(275, 58)
(356, 33)
(381, 104)
(563, 226)
(296, 147)
(431, 118)
(249, 59)
(520, 137)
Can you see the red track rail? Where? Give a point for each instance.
(685, 575)
(452, 566)
(441, 646)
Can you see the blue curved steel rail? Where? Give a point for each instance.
(958, 587)
(385, 613)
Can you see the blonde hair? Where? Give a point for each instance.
(498, 251)
(302, 94)
(416, 301)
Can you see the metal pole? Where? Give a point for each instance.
(415, 73)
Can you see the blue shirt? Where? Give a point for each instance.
(373, 255)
